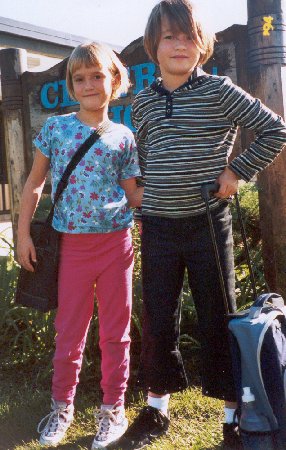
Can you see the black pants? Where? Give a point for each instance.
(169, 246)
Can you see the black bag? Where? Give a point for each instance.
(39, 289)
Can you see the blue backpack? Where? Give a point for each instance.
(258, 345)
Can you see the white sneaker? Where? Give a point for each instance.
(57, 423)
(112, 424)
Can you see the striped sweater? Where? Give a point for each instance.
(184, 139)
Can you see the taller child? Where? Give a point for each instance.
(96, 252)
(186, 125)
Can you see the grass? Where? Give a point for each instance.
(27, 344)
(196, 420)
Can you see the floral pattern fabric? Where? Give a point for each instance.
(93, 201)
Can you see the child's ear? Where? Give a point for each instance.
(116, 81)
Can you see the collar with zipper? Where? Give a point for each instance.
(197, 77)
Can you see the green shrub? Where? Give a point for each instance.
(248, 198)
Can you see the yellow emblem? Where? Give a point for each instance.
(267, 26)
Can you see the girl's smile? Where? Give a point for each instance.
(93, 88)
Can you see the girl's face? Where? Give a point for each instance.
(177, 54)
(92, 88)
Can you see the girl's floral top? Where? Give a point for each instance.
(93, 201)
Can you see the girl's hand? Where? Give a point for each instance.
(228, 182)
(26, 253)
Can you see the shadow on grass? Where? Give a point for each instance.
(21, 410)
(195, 421)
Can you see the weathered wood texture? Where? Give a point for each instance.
(4, 186)
(266, 30)
(267, 78)
(35, 113)
(13, 63)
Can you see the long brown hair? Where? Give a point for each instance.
(182, 17)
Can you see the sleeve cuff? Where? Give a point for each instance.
(240, 172)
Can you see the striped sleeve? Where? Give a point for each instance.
(270, 130)
(142, 152)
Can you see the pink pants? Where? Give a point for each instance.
(102, 264)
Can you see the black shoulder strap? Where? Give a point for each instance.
(77, 157)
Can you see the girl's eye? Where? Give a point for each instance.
(77, 80)
(168, 36)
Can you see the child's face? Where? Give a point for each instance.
(177, 54)
(92, 87)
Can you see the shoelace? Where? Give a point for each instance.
(104, 419)
(53, 422)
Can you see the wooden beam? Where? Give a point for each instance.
(12, 64)
(267, 72)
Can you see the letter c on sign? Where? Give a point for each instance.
(46, 103)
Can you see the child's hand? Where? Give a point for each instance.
(26, 253)
(228, 182)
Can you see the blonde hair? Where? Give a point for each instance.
(182, 17)
(98, 54)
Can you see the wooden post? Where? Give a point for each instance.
(13, 63)
(267, 71)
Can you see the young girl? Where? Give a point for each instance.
(186, 125)
(96, 248)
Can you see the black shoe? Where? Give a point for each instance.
(150, 424)
(231, 437)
